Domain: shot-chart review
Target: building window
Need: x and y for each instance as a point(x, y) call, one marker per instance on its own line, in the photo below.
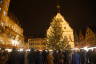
point(5, 13)
point(0, 9)
point(2, 24)
point(12, 27)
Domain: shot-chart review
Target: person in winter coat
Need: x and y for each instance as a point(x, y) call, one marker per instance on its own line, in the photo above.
point(44, 58)
point(31, 57)
point(61, 58)
point(83, 58)
point(76, 58)
point(50, 58)
point(13, 58)
point(38, 57)
point(89, 57)
point(3, 57)
point(56, 57)
point(94, 56)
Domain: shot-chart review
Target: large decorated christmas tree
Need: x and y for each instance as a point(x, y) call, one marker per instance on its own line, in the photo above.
point(59, 33)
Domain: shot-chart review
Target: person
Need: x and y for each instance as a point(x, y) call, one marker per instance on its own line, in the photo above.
point(21, 57)
point(3, 56)
point(70, 57)
point(13, 58)
point(50, 58)
point(26, 58)
point(94, 56)
point(67, 56)
point(38, 57)
point(61, 57)
point(83, 56)
point(31, 57)
point(89, 57)
point(76, 57)
point(56, 56)
point(44, 58)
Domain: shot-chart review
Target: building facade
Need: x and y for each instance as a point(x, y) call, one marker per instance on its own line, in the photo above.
point(90, 37)
point(11, 34)
point(86, 39)
point(37, 43)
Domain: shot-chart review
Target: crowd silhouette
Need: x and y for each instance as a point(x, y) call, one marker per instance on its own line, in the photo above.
point(48, 57)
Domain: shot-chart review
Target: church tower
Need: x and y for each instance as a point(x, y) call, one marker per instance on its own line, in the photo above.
point(4, 6)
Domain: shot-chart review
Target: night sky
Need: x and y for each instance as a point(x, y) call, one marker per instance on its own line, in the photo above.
point(35, 15)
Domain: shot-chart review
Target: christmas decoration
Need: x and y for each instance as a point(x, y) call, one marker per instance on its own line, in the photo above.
point(60, 34)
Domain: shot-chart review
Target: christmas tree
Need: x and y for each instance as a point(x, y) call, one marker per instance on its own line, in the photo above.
point(55, 34)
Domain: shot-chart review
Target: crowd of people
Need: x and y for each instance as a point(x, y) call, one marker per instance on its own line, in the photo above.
point(48, 57)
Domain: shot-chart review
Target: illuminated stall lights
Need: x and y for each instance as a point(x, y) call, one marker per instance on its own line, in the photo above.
point(50, 50)
point(28, 50)
point(91, 48)
point(75, 49)
point(9, 50)
point(21, 50)
point(40, 50)
point(88, 48)
point(85, 48)
point(15, 42)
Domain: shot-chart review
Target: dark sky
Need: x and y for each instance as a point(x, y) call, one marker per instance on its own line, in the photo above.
point(36, 15)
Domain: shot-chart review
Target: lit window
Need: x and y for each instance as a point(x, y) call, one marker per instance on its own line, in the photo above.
point(5, 13)
point(2, 24)
point(12, 27)
point(0, 9)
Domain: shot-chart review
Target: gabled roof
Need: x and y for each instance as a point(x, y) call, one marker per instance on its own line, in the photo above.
point(93, 28)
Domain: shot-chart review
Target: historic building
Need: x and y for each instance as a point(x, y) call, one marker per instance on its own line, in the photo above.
point(11, 34)
point(81, 39)
point(37, 43)
point(90, 37)
point(86, 39)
